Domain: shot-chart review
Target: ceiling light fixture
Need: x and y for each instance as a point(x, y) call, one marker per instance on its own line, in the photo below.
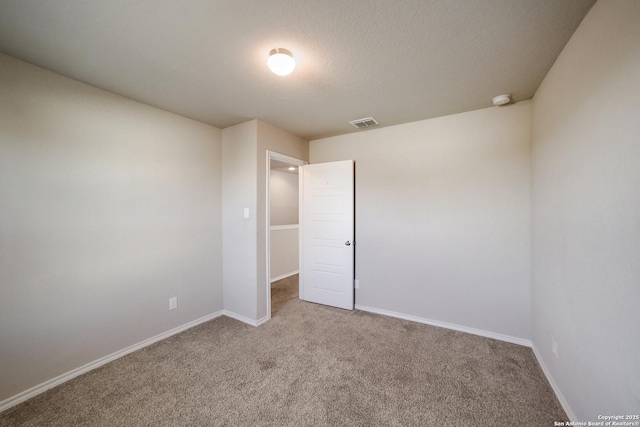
point(502, 99)
point(292, 168)
point(281, 61)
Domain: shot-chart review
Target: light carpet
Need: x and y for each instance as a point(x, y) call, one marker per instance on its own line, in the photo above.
point(311, 365)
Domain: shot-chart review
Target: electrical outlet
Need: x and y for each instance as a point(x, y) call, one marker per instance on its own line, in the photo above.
point(356, 284)
point(173, 303)
point(554, 346)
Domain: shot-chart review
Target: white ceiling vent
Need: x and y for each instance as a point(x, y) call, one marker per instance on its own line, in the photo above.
point(364, 123)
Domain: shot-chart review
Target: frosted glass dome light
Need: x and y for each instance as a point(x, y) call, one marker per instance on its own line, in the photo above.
point(281, 62)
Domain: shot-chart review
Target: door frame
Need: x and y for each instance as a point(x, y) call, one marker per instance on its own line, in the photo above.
point(272, 155)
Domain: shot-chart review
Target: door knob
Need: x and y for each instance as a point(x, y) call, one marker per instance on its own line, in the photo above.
point(347, 243)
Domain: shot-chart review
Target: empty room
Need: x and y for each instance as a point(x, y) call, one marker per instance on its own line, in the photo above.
point(322, 213)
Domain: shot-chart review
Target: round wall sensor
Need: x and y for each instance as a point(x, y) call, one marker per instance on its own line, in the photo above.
point(502, 99)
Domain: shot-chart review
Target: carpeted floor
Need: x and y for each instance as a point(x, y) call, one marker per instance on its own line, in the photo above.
point(310, 365)
point(283, 291)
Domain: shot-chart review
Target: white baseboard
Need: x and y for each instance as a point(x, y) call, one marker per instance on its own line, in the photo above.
point(284, 276)
point(284, 227)
point(261, 321)
point(245, 319)
point(446, 325)
point(41, 388)
point(554, 386)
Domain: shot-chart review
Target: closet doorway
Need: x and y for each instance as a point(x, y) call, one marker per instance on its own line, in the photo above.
point(283, 198)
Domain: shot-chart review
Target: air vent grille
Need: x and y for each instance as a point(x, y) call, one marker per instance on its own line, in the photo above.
point(364, 123)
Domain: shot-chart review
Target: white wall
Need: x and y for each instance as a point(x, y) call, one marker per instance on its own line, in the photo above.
point(443, 217)
point(586, 214)
point(283, 198)
point(108, 207)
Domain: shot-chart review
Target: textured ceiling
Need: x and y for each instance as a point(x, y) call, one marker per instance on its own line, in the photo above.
point(396, 60)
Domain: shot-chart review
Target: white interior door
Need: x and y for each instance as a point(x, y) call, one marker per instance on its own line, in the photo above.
point(327, 233)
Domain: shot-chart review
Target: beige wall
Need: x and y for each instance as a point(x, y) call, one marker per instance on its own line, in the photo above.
point(239, 233)
point(586, 214)
point(283, 198)
point(283, 211)
point(284, 252)
point(245, 185)
point(108, 207)
point(443, 217)
point(273, 139)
